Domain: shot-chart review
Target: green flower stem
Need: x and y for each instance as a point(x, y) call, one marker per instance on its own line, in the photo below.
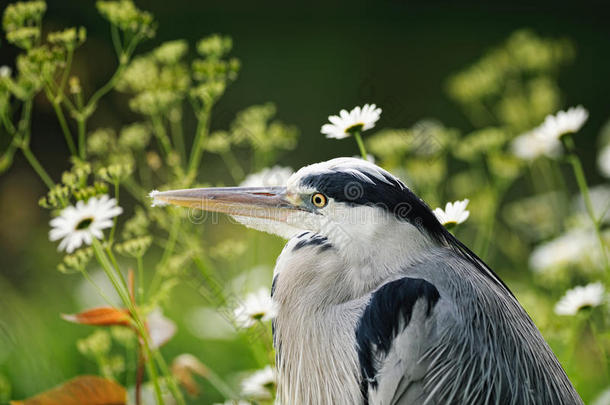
point(360, 144)
point(9, 125)
point(116, 266)
point(85, 111)
point(167, 252)
point(44, 176)
point(117, 282)
point(110, 84)
point(267, 340)
point(140, 288)
point(558, 176)
point(584, 190)
point(176, 132)
point(537, 185)
point(220, 385)
point(66, 72)
point(540, 170)
point(173, 387)
point(234, 167)
point(81, 124)
point(171, 244)
point(64, 127)
point(557, 181)
point(200, 135)
point(116, 41)
point(488, 236)
point(597, 336)
point(25, 122)
point(114, 221)
point(215, 296)
point(161, 134)
point(91, 281)
point(218, 297)
point(131, 47)
point(152, 372)
point(121, 288)
point(483, 240)
point(136, 191)
point(6, 158)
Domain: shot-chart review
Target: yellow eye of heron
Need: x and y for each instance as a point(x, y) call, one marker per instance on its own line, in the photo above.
point(319, 200)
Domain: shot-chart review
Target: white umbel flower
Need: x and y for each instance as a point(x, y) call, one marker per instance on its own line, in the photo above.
point(78, 225)
point(257, 306)
point(603, 161)
point(454, 213)
point(268, 177)
point(580, 297)
point(259, 384)
point(534, 144)
point(344, 124)
point(564, 122)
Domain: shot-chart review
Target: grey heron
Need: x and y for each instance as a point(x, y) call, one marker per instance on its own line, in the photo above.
point(379, 303)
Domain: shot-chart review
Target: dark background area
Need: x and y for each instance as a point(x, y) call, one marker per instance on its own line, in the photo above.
point(313, 59)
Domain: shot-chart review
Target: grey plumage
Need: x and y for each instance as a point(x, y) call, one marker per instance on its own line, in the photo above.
point(379, 304)
point(476, 345)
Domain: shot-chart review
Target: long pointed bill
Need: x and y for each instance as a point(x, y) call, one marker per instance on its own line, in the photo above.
point(256, 202)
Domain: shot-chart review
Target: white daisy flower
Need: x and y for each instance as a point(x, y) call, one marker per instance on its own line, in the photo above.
point(580, 297)
point(600, 201)
point(564, 122)
point(257, 306)
point(453, 214)
point(209, 324)
point(344, 124)
point(259, 384)
point(573, 247)
point(603, 398)
point(534, 144)
point(5, 71)
point(160, 328)
point(268, 177)
point(79, 224)
point(603, 161)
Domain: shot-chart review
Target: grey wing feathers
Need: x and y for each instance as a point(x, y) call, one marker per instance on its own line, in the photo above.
point(453, 336)
point(392, 338)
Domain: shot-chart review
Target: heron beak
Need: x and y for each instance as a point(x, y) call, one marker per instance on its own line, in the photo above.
point(256, 202)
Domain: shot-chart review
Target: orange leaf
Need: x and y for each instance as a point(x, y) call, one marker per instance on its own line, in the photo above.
point(83, 390)
point(103, 316)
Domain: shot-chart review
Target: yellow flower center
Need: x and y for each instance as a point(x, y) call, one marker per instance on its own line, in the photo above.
point(84, 223)
point(354, 128)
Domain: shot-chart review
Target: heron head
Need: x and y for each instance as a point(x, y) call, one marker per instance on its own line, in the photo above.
point(355, 204)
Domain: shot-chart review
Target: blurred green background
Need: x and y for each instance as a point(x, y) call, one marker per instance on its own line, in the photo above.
point(310, 60)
